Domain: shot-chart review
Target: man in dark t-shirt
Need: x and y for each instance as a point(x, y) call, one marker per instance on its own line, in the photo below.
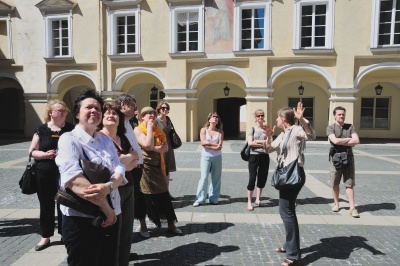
point(343, 137)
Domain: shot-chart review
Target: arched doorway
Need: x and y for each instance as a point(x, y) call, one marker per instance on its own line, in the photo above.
point(12, 104)
point(229, 111)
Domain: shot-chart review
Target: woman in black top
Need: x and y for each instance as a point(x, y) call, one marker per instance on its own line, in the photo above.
point(44, 150)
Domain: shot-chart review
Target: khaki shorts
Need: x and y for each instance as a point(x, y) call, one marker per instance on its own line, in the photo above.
point(349, 175)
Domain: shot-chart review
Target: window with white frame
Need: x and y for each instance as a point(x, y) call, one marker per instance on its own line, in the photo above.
point(386, 29)
point(5, 39)
point(155, 97)
point(58, 36)
point(252, 26)
point(187, 32)
point(124, 37)
point(314, 24)
point(375, 113)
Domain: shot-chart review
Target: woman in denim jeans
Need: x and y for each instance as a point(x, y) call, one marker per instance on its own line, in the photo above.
point(211, 136)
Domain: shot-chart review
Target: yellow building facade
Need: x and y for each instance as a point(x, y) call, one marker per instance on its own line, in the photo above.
point(266, 54)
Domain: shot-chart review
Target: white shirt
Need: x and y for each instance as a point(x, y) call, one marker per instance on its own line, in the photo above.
point(132, 139)
point(211, 153)
point(100, 149)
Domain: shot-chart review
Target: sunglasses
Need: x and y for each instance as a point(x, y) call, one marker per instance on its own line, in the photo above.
point(259, 115)
point(214, 116)
point(164, 108)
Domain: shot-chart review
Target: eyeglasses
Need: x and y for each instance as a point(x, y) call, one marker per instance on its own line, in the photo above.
point(61, 111)
point(259, 115)
point(164, 108)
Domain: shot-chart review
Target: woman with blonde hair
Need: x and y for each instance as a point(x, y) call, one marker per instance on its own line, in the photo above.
point(258, 160)
point(43, 149)
point(164, 122)
point(212, 137)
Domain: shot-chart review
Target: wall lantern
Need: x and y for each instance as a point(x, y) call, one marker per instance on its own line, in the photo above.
point(154, 90)
point(378, 89)
point(226, 90)
point(301, 88)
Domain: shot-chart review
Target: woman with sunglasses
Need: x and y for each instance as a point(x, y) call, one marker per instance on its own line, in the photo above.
point(154, 144)
point(258, 160)
point(44, 150)
point(212, 137)
point(164, 122)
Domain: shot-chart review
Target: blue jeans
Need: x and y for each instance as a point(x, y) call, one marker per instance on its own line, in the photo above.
point(207, 165)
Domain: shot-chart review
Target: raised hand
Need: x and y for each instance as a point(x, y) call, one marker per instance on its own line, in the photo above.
point(299, 111)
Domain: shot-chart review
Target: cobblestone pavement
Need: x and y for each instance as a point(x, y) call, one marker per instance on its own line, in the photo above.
point(228, 234)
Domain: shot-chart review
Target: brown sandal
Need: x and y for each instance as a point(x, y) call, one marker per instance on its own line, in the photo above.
point(280, 250)
point(288, 262)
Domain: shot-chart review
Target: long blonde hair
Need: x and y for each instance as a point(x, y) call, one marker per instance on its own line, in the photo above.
point(49, 108)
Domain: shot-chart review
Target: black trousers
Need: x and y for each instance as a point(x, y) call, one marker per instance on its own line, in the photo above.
point(140, 202)
point(48, 182)
point(258, 170)
point(287, 210)
point(88, 245)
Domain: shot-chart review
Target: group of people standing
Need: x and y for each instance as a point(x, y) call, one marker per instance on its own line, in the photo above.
point(140, 161)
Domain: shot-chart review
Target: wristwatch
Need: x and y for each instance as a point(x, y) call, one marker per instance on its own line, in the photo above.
point(111, 186)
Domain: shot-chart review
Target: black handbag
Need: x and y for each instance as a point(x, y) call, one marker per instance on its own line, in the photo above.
point(95, 173)
point(175, 140)
point(28, 183)
point(245, 152)
point(289, 176)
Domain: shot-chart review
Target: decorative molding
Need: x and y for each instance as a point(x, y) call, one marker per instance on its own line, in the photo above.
point(260, 89)
point(258, 99)
point(119, 3)
point(344, 90)
point(343, 99)
point(5, 9)
point(56, 5)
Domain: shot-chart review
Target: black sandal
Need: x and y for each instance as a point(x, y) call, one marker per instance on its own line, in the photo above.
point(288, 262)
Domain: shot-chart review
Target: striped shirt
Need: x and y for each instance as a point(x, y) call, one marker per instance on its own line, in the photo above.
point(294, 148)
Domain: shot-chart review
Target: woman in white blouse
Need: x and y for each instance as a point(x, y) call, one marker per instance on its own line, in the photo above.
point(85, 243)
point(287, 118)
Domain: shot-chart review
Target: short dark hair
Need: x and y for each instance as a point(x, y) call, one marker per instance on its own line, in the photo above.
point(87, 93)
point(121, 126)
point(341, 108)
point(124, 98)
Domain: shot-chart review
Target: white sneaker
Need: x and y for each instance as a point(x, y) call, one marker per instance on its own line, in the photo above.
point(354, 213)
point(335, 208)
point(196, 204)
point(176, 231)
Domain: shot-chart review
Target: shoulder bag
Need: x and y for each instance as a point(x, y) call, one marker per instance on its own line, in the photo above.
point(175, 140)
point(28, 183)
point(289, 176)
point(95, 173)
point(245, 152)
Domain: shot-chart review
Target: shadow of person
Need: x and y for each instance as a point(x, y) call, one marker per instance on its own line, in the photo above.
point(376, 207)
point(190, 254)
point(19, 227)
point(338, 248)
point(190, 228)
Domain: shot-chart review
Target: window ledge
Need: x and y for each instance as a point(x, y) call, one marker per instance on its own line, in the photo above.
point(251, 52)
point(187, 54)
point(313, 51)
point(386, 49)
point(122, 57)
point(55, 59)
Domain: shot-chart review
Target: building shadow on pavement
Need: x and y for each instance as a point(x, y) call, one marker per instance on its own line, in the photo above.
point(337, 248)
point(188, 200)
point(189, 254)
point(18, 227)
